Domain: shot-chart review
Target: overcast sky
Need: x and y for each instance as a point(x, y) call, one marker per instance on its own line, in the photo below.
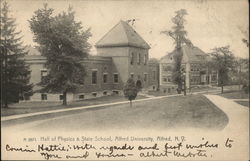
point(210, 23)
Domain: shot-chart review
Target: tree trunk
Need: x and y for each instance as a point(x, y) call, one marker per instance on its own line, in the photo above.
point(179, 88)
point(130, 103)
point(64, 98)
point(222, 89)
point(5, 76)
point(6, 105)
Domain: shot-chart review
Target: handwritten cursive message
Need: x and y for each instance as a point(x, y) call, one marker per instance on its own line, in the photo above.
point(80, 148)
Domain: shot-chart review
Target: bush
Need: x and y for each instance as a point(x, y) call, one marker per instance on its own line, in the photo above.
point(245, 88)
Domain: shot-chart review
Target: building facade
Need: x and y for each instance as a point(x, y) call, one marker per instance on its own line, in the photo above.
point(121, 53)
point(196, 71)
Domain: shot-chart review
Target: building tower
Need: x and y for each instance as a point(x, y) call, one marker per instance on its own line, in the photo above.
point(129, 52)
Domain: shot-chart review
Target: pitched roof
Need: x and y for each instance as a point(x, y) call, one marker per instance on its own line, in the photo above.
point(190, 54)
point(193, 53)
point(32, 50)
point(122, 34)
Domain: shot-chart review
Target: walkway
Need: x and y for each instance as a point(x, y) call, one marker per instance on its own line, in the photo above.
point(145, 95)
point(238, 115)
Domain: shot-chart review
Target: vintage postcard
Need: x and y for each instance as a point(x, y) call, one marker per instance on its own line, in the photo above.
point(125, 80)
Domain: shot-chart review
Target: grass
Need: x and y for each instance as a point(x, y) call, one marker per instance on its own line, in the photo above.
point(158, 93)
point(243, 103)
point(31, 107)
point(194, 111)
point(235, 94)
point(194, 89)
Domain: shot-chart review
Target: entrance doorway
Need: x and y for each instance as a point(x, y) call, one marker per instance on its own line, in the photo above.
point(138, 85)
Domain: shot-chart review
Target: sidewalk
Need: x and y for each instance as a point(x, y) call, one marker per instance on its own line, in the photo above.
point(238, 115)
point(145, 95)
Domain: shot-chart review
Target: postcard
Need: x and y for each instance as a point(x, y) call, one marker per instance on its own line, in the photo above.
point(125, 80)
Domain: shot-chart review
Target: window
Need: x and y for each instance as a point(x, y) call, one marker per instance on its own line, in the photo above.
point(145, 59)
point(81, 82)
point(94, 94)
point(44, 96)
point(105, 78)
point(167, 68)
point(81, 96)
point(139, 59)
point(105, 93)
point(132, 75)
point(154, 75)
point(169, 79)
point(153, 87)
point(61, 97)
point(26, 98)
point(115, 92)
point(195, 79)
point(132, 58)
point(94, 77)
point(43, 74)
point(214, 77)
point(164, 79)
point(115, 78)
point(145, 77)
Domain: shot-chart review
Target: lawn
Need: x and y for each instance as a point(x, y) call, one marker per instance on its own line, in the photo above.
point(243, 103)
point(194, 111)
point(31, 107)
point(193, 89)
point(235, 94)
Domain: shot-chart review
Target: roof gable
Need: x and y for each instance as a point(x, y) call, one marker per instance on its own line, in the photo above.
point(194, 54)
point(190, 54)
point(122, 34)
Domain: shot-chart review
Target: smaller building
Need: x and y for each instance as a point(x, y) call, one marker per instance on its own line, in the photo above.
point(195, 66)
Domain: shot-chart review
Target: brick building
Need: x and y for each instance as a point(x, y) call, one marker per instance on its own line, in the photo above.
point(194, 63)
point(121, 53)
